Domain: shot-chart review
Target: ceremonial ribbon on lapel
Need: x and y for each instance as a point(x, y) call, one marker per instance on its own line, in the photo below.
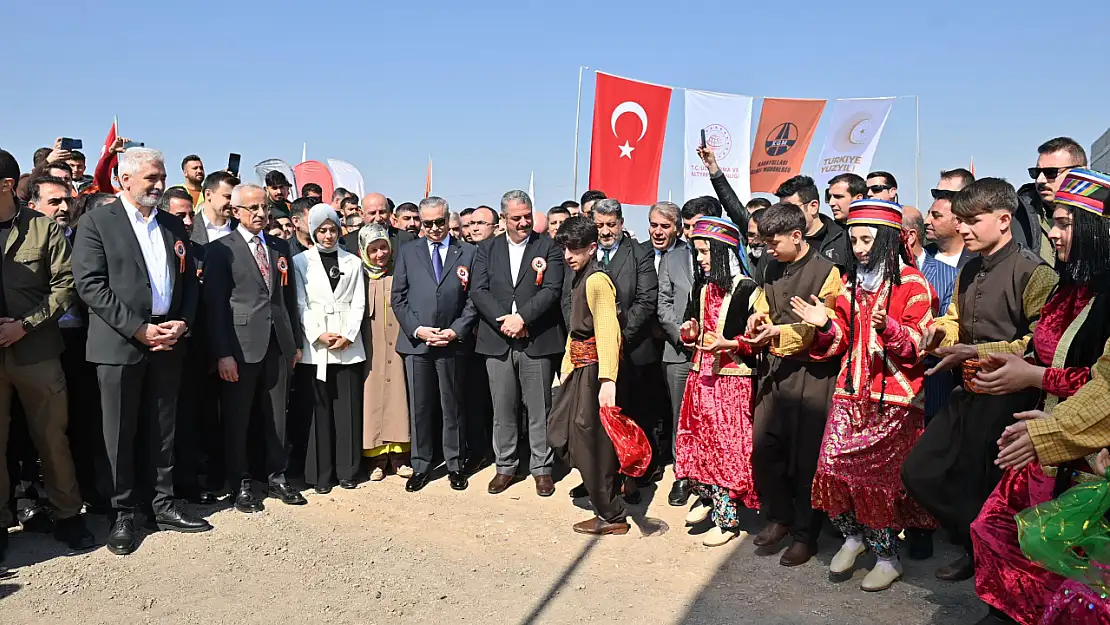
point(179, 249)
point(464, 275)
point(539, 265)
point(283, 267)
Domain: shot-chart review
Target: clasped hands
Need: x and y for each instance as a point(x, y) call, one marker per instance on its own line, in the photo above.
point(711, 342)
point(159, 337)
point(513, 326)
point(435, 337)
point(333, 341)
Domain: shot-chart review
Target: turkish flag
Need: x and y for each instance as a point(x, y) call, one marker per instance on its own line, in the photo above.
point(630, 121)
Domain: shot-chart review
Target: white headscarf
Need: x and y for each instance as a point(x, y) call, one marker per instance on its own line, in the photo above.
point(317, 215)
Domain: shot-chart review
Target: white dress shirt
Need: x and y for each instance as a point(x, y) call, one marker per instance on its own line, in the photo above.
point(516, 258)
point(659, 254)
point(612, 250)
point(442, 263)
point(153, 246)
point(215, 232)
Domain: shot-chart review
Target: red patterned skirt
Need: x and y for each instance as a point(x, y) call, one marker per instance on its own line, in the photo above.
point(714, 440)
point(859, 469)
point(1004, 577)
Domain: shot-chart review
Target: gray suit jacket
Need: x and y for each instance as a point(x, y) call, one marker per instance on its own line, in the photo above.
point(676, 281)
point(418, 300)
point(200, 233)
point(112, 279)
point(242, 312)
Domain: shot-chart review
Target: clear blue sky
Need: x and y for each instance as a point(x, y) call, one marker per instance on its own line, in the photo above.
point(488, 89)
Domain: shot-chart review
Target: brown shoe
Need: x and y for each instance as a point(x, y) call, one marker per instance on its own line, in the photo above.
point(958, 571)
point(545, 486)
point(770, 535)
point(598, 527)
point(499, 484)
point(797, 554)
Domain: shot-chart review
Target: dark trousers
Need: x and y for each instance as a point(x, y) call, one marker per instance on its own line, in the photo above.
point(951, 470)
point(302, 405)
point(516, 377)
point(335, 438)
point(642, 395)
point(791, 407)
point(85, 429)
point(199, 441)
point(479, 408)
point(676, 374)
point(139, 402)
point(263, 386)
point(436, 384)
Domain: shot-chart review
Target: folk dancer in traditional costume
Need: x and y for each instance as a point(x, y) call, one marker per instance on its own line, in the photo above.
point(1070, 338)
point(588, 380)
point(998, 300)
point(714, 439)
point(794, 388)
point(877, 411)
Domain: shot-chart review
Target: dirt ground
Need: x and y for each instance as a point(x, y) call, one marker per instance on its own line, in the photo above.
point(380, 555)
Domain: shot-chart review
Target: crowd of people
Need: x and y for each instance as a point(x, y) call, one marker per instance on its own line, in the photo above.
point(890, 370)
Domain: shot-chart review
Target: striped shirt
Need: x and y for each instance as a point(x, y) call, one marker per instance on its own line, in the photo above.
point(942, 277)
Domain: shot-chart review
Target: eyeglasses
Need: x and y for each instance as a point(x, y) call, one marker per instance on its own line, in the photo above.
point(879, 188)
point(942, 194)
point(479, 222)
point(1050, 173)
point(434, 223)
point(254, 208)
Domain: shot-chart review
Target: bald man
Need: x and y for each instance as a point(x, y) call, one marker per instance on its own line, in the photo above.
point(375, 210)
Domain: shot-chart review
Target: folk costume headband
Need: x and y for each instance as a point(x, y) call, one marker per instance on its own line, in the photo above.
point(875, 213)
point(1086, 189)
point(717, 229)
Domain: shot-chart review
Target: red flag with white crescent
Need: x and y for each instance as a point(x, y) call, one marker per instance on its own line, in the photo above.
point(630, 122)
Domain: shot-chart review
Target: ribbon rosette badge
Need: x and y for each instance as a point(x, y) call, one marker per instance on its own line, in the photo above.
point(283, 267)
point(539, 265)
point(464, 275)
point(179, 249)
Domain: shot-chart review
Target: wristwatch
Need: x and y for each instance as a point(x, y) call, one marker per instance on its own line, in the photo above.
point(27, 326)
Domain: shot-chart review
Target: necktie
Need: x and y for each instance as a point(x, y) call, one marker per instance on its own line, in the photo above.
point(605, 258)
point(437, 262)
point(261, 260)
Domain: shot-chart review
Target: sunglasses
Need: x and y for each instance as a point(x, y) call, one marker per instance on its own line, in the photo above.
point(942, 194)
point(434, 223)
point(879, 188)
point(1050, 173)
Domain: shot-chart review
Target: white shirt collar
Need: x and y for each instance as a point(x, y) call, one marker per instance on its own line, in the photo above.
point(522, 244)
point(443, 244)
point(247, 236)
point(211, 226)
point(134, 213)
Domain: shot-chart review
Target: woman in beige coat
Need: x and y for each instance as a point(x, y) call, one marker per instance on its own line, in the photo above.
point(385, 429)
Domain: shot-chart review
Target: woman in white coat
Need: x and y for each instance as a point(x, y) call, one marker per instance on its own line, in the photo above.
point(331, 294)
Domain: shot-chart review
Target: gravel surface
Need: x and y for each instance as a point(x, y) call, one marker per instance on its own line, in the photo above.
point(380, 555)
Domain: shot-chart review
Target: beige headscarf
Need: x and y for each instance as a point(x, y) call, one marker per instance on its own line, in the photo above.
point(367, 235)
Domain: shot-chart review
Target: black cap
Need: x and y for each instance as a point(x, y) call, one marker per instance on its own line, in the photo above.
point(9, 167)
point(276, 179)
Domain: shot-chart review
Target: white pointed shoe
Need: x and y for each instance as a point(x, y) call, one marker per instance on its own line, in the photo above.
point(697, 514)
point(845, 559)
point(882, 576)
point(717, 537)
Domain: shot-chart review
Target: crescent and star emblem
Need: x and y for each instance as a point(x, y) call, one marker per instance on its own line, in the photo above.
point(638, 111)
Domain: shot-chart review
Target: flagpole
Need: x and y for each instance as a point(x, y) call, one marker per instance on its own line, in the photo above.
point(917, 157)
point(577, 120)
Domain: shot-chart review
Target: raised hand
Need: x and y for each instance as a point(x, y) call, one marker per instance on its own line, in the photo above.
point(812, 312)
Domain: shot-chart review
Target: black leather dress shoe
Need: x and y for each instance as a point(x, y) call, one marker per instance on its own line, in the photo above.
point(458, 480)
point(74, 533)
point(579, 492)
point(205, 498)
point(121, 538)
point(474, 464)
point(417, 482)
point(3, 542)
point(680, 493)
point(958, 571)
point(347, 484)
point(322, 490)
point(246, 501)
point(287, 494)
point(36, 519)
point(175, 521)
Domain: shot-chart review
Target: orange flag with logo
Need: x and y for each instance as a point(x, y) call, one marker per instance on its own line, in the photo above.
point(786, 127)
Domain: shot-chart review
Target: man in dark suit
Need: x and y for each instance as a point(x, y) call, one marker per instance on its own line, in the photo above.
point(376, 210)
point(518, 279)
point(134, 270)
point(631, 266)
point(216, 218)
point(437, 318)
point(253, 327)
point(198, 451)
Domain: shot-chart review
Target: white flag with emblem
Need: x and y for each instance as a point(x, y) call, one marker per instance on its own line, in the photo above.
point(852, 139)
point(727, 121)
